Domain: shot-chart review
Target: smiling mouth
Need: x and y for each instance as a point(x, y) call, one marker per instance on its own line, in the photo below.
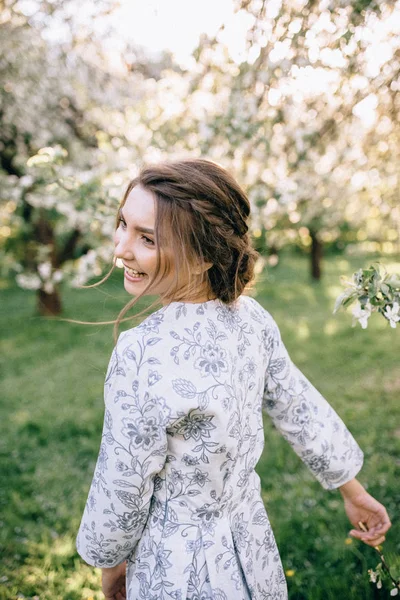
point(133, 272)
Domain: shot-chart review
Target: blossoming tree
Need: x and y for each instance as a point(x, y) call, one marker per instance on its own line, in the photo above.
point(65, 147)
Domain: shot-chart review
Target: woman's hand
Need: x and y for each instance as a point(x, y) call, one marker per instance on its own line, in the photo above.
point(362, 507)
point(113, 582)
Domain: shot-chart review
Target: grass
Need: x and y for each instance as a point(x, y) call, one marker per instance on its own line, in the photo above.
point(51, 418)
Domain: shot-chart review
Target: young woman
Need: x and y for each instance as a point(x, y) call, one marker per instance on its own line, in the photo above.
point(175, 510)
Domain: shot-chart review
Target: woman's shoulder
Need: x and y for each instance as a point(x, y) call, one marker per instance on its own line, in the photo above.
point(257, 311)
point(162, 323)
point(149, 327)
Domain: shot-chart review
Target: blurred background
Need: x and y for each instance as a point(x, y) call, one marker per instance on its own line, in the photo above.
point(300, 101)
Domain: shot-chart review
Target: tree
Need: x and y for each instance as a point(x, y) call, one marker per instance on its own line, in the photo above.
point(287, 115)
point(68, 138)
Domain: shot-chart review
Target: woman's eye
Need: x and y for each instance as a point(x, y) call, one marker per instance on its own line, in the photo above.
point(147, 240)
point(121, 222)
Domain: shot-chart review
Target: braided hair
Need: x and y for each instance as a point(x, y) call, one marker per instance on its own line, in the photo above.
point(202, 212)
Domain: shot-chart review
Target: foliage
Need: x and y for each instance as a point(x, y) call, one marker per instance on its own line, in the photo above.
point(385, 575)
point(66, 152)
point(304, 115)
point(373, 292)
point(58, 218)
point(303, 112)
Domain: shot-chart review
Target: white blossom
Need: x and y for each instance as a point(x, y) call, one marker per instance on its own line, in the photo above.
point(28, 281)
point(48, 287)
point(394, 591)
point(44, 270)
point(372, 575)
point(362, 314)
point(58, 276)
point(392, 314)
point(26, 181)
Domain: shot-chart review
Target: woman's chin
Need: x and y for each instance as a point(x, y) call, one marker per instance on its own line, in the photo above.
point(132, 287)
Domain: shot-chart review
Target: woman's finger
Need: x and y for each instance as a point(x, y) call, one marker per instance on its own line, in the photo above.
point(359, 535)
point(381, 523)
point(376, 542)
point(380, 529)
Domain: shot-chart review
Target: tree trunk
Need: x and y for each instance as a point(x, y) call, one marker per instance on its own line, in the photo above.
point(316, 255)
point(49, 304)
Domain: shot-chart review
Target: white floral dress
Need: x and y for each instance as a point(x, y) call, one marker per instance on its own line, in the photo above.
point(174, 491)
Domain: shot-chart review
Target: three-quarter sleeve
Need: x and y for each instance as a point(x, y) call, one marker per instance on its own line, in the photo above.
point(305, 419)
point(133, 450)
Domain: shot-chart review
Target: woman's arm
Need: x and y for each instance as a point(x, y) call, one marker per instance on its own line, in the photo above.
point(132, 452)
point(305, 419)
point(362, 507)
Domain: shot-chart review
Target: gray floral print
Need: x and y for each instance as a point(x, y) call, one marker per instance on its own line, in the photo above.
point(174, 491)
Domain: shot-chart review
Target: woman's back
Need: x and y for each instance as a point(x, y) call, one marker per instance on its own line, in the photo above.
point(175, 484)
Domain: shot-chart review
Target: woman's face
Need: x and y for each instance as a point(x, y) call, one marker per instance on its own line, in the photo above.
point(135, 246)
point(135, 243)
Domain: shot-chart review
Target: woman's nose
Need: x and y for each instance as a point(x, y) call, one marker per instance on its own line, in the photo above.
point(123, 249)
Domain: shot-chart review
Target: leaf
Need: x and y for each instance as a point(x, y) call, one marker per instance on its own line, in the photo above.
point(184, 388)
point(169, 529)
point(342, 297)
point(260, 518)
point(203, 400)
point(233, 419)
point(129, 473)
point(122, 483)
point(109, 438)
point(127, 498)
point(198, 448)
point(153, 360)
point(131, 355)
point(385, 289)
point(181, 310)
point(153, 341)
point(277, 365)
point(108, 422)
point(394, 281)
point(172, 515)
point(349, 300)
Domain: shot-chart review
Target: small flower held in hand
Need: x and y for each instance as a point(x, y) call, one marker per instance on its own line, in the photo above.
point(382, 570)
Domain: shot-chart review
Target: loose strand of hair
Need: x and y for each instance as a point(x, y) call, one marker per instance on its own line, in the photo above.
point(93, 285)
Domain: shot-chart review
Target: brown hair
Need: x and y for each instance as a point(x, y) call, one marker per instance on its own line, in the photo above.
point(201, 219)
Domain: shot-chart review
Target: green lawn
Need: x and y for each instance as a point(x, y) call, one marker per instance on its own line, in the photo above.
point(51, 418)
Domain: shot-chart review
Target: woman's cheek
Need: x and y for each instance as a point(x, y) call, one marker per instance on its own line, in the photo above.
point(116, 237)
